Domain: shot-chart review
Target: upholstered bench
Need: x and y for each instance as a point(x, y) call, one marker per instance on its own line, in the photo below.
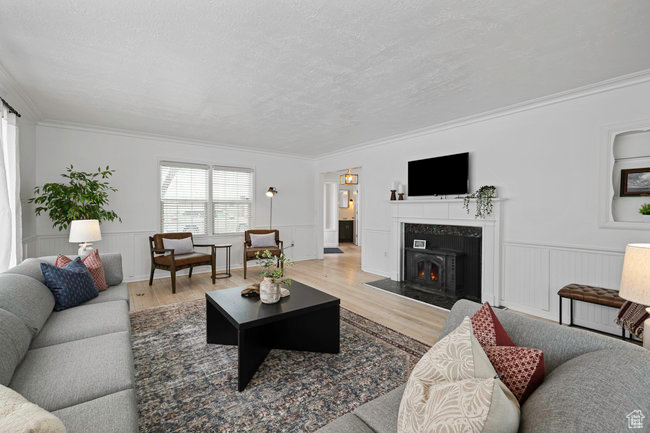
point(592, 295)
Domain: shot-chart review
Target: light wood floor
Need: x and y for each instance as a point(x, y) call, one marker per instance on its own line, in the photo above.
point(337, 274)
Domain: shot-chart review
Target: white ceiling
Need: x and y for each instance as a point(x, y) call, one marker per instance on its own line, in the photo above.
point(309, 77)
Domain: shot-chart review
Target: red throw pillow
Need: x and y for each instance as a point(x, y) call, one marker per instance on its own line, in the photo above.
point(487, 328)
point(521, 369)
point(94, 265)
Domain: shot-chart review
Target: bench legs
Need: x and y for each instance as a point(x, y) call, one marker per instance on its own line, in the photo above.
point(571, 316)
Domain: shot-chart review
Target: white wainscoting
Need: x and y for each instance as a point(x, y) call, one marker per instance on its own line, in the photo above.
point(374, 251)
point(534, 273)
point(134, 246)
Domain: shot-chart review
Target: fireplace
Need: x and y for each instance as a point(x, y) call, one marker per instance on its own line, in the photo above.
point(434, 270)
point(449, 266)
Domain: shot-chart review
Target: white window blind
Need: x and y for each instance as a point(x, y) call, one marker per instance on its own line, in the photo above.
point(184, 198)
point(232, 199)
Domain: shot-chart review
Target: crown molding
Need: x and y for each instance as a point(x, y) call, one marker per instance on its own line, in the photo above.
point(16, 96)
point(49, 123)
point(555, 98)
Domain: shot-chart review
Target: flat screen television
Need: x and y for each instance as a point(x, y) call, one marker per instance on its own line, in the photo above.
point(444, 175)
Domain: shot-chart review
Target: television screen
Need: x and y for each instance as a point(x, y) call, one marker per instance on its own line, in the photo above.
point(444, 175)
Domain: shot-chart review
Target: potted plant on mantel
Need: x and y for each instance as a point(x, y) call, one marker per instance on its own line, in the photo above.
point(84, 196)
point(483, 198)
point(272, 274)
point(645, 212)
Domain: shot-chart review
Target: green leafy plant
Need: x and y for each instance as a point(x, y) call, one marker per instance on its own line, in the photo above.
point(483, 198)
point(271, 267)
point(84, 196)
point(645, 209)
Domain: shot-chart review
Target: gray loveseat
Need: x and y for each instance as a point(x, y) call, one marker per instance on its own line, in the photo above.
point(76, 363)
point(593, 382)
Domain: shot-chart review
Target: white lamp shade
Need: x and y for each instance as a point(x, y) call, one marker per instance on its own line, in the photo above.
point(635, 280)
point(85, 231)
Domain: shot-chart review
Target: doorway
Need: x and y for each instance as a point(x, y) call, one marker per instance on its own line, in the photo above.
point(342, 218)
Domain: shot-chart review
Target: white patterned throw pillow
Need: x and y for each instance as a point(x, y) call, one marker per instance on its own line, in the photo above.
point(455, 389)
point(17, 415)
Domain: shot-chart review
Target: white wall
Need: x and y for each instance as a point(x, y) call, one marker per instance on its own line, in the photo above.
point(546, 163)
point(136, 158)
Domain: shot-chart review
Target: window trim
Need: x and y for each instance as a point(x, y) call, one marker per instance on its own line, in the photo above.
point(210, 211)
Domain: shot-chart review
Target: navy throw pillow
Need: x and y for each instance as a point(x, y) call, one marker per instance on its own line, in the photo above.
point(71, 286)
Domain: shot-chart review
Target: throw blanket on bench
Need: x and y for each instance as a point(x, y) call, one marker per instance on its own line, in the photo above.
point(632, 316)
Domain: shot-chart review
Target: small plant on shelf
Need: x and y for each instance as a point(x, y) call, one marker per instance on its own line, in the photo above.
point(644, 210)
point(483, 198)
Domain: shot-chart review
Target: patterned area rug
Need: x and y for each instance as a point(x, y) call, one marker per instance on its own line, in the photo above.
point(186, 385)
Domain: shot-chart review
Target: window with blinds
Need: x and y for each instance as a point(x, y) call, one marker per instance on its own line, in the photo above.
point(202, 199)
point(184, 198)
point(232, 199)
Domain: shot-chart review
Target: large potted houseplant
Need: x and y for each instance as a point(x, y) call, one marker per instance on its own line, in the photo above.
point(644, 210)
point(83, 196)
point(272, 276)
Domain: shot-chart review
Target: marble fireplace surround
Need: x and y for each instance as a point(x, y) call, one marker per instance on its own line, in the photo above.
point(450, 212)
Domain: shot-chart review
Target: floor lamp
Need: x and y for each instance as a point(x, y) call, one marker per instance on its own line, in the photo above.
point(270, 193)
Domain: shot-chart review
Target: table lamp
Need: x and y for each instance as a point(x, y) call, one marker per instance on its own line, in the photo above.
point(635, 281)
point(85, 232)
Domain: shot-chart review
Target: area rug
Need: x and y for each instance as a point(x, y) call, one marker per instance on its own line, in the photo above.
point(186, 385)
point(333, 251)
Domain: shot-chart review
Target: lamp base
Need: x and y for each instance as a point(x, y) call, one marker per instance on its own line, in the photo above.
point(85, 248)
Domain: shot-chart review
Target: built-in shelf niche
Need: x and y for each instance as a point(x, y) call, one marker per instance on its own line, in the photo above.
point(626, 147)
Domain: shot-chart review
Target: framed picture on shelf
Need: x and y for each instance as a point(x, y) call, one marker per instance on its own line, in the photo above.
point(635, 182)
point(419, 244)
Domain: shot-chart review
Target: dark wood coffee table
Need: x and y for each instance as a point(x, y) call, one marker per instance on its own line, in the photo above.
point(307, 320)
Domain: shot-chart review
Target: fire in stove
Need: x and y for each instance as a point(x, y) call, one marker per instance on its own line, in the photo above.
point(434, 274)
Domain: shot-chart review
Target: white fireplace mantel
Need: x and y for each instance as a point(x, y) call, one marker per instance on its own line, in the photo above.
point(450, 212)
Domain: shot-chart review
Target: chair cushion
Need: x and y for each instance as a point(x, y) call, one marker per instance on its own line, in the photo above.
point(71, 285)
point(17, 415)
point(30, 300)
point(593, 392)
point(487, 328)
point(14, 342)
point(180, 246)
point(263, 240)
point(381, 413)
point(112, 263)
point(185, 259)
point(521, 369)
point(348, 423)
point(83, 321)
point(113, 293)
point(251, 253)
point(30, 267)
point(111, 413)
point(94, 264)
point(55, 377)
point(454, 385)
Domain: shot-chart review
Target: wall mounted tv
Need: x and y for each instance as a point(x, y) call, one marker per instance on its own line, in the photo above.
point(444, 175)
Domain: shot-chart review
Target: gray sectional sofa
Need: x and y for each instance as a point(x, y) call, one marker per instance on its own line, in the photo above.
point(592, 381)
point(76, 363)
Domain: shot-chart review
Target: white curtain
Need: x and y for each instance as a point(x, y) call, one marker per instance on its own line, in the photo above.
point(10, 211)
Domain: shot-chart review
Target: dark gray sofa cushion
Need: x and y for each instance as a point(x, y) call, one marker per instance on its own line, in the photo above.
point(29, 267)
point(14, 342)
point(559, 343)
point(111, 262)
point(381, 413)
point(30, 300)
point(591, 393)
point(348, 423)
point(55, 377)
point(108, 414)
point(83, 321)
point(113, 293)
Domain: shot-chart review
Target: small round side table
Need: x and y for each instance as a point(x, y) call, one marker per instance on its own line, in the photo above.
point(226, 274)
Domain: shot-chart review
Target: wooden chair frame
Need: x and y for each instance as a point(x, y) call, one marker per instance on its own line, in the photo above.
point(247, 246)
